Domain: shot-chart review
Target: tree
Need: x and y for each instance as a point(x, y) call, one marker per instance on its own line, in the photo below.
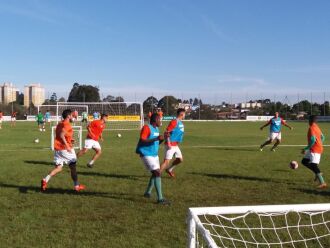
point(109, 98)
point(168, 104)
point(150, 104)
point(62, 99)
point(53, 98)
point(84, 93)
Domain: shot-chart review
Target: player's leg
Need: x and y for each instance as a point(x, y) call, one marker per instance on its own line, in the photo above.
point(267, 142)
point(71, 160)
point(169, 153)
point(178, 160)
point(58, 168)
point(311, 161)
point(82, 152)
point(278, 141)
point(97, 148)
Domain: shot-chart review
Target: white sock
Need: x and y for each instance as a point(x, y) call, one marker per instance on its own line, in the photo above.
point(91, 162)
point(171, 168)
point(47, 178)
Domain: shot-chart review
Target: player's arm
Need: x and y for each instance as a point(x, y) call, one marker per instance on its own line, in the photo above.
point(284, 123)
point(145, 132)
point(170, 128)
point(310, 144)
point(322, 138)
point(267, 124)
point(62, 135)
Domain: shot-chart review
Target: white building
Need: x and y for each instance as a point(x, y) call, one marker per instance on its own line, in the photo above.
point(34, 94)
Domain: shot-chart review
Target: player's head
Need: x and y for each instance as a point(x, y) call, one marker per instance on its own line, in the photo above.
point(181, 113)
point(312, 119)
point(277, 114)
point(47, 110)
point(155, 120)
point(39, 111)
point(67, 114)
point(104, 117)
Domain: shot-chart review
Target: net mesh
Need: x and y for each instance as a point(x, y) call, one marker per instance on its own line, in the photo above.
point(287, 229)
point(122, 115)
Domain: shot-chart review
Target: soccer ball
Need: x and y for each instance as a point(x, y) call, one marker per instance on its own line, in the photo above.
point(119, 135)
point(294, 165)
point(36, 141)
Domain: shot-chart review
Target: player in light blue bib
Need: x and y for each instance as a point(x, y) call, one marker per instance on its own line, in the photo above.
point(275, 131)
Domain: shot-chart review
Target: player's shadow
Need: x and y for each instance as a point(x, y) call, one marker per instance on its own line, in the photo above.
point(27, 189)
point(99, 174)
point(314, 192)
point(233, 177)
point(38, 162)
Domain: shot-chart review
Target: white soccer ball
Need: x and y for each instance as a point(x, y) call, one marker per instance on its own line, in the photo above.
point(119, 135)
point(36, 141)
point(294, 165)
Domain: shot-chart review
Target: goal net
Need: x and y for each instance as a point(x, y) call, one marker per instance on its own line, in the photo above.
point(52, 110)
point(275, 226)
point(79, 108)
point(77, 137)
point(122, 115)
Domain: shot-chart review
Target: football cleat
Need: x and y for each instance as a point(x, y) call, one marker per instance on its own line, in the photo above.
point(43, 185)
point(147, 195)
point(163, 202)
point(322, 186)
point(170, 173)
point(90, 165)
point(79, 187)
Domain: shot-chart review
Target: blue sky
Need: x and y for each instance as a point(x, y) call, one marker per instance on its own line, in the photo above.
point(211, 48)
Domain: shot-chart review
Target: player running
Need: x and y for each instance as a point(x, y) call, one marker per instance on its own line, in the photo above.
point(95, 129)
point(64, 152)
point(174, 136)
point(96, 115)
point(84, 116)
point(48, 117)
point(41, 121)
point(75, 115)
point(1, 119)
point(13, 119)
point(275, 131)
point(313, 151)
point(147, 148)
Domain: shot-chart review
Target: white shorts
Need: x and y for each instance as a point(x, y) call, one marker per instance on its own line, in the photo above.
point(13, 118)
point(48, 120)
point(64, 157)
point(0, 120)
point(313, 157)
point(151, 163)
point(92, 144)
point(274, 136)
point(172, 151)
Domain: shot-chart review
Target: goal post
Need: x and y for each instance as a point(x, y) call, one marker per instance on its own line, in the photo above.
point(121, 115)
point(77, 137)
point(303, 225)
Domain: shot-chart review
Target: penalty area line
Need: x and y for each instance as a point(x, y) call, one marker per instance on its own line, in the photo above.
point(243, 146)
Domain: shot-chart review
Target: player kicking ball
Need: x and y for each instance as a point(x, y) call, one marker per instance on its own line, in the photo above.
point(174, 136)
point(147, 148)
point(64, 152)
point(95, 129)
point(313, 150)
point(275, 131)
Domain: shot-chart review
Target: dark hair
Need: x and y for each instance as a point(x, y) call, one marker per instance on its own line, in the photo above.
point(312, 118)
point(103, 115)
point(66, 113)
point(180, 110)
point(153, 118)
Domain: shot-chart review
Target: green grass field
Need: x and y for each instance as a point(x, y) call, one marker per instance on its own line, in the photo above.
point(222, 167)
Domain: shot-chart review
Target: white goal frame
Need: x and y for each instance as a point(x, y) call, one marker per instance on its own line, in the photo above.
point(140, 112)
point(76, 130)
point(70, 106)
point(195, 226)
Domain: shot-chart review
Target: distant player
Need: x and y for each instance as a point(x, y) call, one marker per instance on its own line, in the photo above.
point(160, 113)
point(40, 121)
point(1, 119)
point(147, 148)
point(48, 117)
point(173, 136)
point(13, 119)
point(314, 150)
point(95, 129)
point(275, 131)
point(96, 115)
point(74, 115)
point(84, 116)
point(64, 152)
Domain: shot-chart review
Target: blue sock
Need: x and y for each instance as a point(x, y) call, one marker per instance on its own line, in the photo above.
point(158, 186)
point(150, 185)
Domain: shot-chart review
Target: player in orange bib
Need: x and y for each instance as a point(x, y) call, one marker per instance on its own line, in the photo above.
point(95, 129)
point(1, 118)
point(314, 150)
point(64, 152)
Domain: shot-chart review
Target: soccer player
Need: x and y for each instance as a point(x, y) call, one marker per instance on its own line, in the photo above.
point(84, 117)
point(95, 129)
point(64, 152)
point(96, 115)
point(48, 117)
point(13, 118)
point(147, 148)
point(75, 115)
point(174, 136)
point(275, 131)
point(1, 119)
point(313, 150)
point(41, 121)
